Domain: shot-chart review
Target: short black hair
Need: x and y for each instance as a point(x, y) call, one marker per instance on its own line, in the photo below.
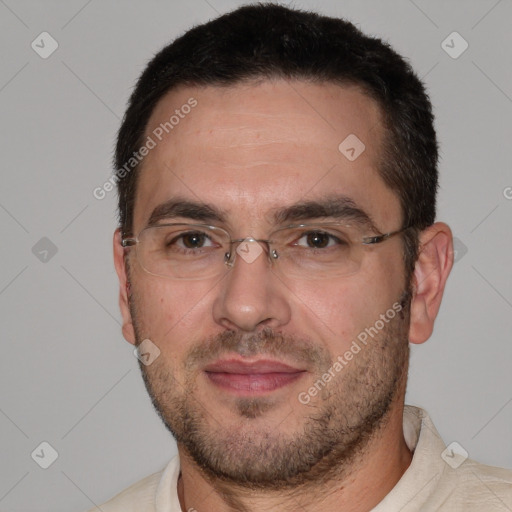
point(268, 41)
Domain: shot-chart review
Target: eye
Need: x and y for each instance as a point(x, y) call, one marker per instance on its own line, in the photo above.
point(318, 240)
point(192, 240)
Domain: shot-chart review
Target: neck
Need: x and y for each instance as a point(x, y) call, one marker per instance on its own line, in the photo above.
point(372, 475)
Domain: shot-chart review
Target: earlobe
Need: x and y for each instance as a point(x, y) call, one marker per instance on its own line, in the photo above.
point(124, 288)
point(431, 272)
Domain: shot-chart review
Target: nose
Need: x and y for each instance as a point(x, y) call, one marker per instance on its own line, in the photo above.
point(251, 296)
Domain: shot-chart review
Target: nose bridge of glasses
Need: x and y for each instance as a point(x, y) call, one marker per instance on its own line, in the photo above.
point(249, 249)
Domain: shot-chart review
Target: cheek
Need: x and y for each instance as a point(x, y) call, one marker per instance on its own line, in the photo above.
point(330, 312)
point(172, 312)
point(338, 312)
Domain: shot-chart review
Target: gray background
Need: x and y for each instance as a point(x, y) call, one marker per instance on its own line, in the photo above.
point(67, 377)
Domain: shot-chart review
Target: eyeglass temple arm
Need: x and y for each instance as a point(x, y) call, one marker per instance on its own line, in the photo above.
point(127, 242)
point(377, 239)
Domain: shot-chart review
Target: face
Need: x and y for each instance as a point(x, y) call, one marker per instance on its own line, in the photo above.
point(265, 378)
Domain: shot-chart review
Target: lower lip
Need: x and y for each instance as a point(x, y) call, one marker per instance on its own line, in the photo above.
point(254, 382)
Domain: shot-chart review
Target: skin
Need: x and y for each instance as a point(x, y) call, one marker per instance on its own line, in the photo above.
point(247, 150)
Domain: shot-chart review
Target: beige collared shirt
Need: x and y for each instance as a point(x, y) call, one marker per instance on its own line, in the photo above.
point(438, 479)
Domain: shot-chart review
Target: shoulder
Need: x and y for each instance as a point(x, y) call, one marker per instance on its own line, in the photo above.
point(482, 487)
point(441, 479)
point(472, 487)
point(139, 497)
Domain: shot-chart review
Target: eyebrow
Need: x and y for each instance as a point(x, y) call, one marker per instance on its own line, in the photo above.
point(339, 208)
point(175, 208)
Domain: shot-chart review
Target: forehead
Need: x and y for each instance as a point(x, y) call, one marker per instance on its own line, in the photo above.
point(250, 148)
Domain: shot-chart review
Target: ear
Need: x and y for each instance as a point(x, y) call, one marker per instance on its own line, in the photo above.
point(432, 269)
point(124, 288)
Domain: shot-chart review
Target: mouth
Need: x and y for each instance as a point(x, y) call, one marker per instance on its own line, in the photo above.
point(251, 378)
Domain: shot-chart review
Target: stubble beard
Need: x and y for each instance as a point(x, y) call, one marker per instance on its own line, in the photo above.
point(335, 427)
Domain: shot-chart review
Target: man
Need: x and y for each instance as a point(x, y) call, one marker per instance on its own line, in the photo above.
point(277, 253)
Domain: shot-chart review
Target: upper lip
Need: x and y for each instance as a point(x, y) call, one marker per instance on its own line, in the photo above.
point(244, 367)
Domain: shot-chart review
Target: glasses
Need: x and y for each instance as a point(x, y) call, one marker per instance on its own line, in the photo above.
point(303, 251)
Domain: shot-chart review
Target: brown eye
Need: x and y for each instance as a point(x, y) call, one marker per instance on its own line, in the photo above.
point(190, 241)
point(318, 240)
point(193, 240)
